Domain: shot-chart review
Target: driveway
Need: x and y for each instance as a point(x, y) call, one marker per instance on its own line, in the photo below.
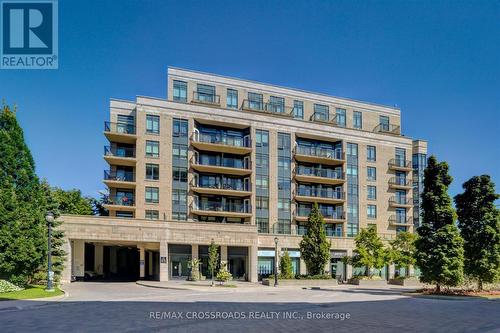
point(127, 307)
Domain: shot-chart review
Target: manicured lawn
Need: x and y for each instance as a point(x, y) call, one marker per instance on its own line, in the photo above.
point(29, 292)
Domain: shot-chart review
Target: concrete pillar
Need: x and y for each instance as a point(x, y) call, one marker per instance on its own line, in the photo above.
point(252, 271)
point(223, 255)
point(78, 258)
point(164, 262)
point(349, 266)
point(392, 270)
point(302, 268)
point(99, 259)
point(67, 270)
point(194, 251)
point(150, 263)
point(142, 263)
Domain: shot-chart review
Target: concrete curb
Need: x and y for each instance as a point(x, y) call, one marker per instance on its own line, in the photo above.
point(453, 298)
point(38, 302)
point(142, 284)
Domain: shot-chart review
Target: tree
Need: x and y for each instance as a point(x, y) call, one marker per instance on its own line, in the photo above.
point(402, 251)
point(479, 223)
point(72, 202)
point(98, 204)
point(314, 247)
point(223, 275)
point(213, 259)
point(370, 251)
point(194, 264)
point(440, 252)
point(286, 266)
point(23, 237)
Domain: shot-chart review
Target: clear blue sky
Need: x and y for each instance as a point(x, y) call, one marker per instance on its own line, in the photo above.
point(437, 60)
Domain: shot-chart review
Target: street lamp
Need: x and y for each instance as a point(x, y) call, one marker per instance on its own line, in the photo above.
point(50, 275)
point(275, 261)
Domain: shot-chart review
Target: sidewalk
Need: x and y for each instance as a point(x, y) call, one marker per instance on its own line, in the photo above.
point(28, 303)
point(201, 285)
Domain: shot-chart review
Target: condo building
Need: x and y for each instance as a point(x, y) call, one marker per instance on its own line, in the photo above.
point(241, 163)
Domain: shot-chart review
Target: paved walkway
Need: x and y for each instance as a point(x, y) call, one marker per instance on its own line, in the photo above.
point(128, 307)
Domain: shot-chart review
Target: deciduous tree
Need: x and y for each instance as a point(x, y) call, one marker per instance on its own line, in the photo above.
point(314, 247)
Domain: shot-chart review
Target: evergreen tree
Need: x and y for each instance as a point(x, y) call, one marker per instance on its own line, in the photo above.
point(286, 266)
point(370, 251)
point(314, 247)
point(440, 252)
point(402, 251)
point(479, 223)
point(23, 237)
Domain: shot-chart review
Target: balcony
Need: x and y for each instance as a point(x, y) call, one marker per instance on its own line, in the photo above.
point(119, 178)
point(120, 155)
point(326, 196)
point(118, 132)
point(400, 164)
point(324, 118)
point(295, 230)
point(319, 176)
point(231, 167)
point(388, 129)
point(400, 202)
point(223, 187)
point(120, 202)
point(217, 208)
point(222, 143)
point(269, 108)
point(400, 183)
point(319, 155)
point(398, 220)
point(329, 215)
point(204, 98)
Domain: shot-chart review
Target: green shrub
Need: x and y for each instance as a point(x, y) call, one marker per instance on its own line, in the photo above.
point(286, 267)
point(6, 286)
point(223, 274)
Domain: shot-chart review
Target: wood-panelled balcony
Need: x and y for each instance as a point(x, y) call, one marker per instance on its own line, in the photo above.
point(119, 179)
point(403, 202)
point(223, 187)
point(327, 196)
point(388, 129)
point(319, 176)
point(318, 155)
point(123, 203)
point(398, 220)
point(222, 143)
point(120, 132)
point(229, 168)
point(205, 98)
point(269, 108)
point(220, 209)
point(329, 216)
point(400, 164)
point(116, 155)
point(400, 183)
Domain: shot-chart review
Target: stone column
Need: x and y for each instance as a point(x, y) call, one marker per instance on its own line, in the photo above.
point(252, 271)
point(392, 270)
point(164, 262)
point(302, 268)
point(223, 255)
point(142, 262)
point(78, 258)
point(349, 266)
point(411, 271)
point(194, 251)
point(68, 262)
point(98, 259)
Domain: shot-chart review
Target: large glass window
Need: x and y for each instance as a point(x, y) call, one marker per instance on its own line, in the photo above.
point(276, 104)
point(152, 124)
point(180, 91)
point(180, 128)
point(371, 153)
point(371, 192)
point(152, 171)
point(152, 215)
point(152, 194)
point(357, 120)
point(298, 109)
point(371, 173)
point(232, 99)
point(205, 93)
point(180, 151)
point(321, 112)
point(152, 149)
point(384, 123)
point(179, 174)
point(340, 113)
point(371, 211)
point(255, 101)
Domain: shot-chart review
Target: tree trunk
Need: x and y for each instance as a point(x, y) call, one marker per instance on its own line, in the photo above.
point(438, 288)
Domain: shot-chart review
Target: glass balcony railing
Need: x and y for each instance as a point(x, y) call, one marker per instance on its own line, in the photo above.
point(120, 128)
point(399, 181)
point(273, 108)
point(119, 175)
point(295, 230)
point(316, 172)
point(226, 163)
point(206, 98)
point(223, 185)
point(228, 140)
point(336, 154)
point(400, 163)
point(400, 201)
point(320, 193)
point(400, 219)
point(121, 200)
point(326, 212)
point(217, 206)
point(119, 151)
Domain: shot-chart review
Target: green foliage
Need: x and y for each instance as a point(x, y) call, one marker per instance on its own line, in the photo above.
point(440, 253)
point(479, 223)
point(286, 269)
point(402, 251)
point(213, 258)
point(23, 238)
point(314, 247)
point(71, 202)
point(6, 287)
point(223, 274)
point(370, 251)
point(98, 204)
point(194, 265)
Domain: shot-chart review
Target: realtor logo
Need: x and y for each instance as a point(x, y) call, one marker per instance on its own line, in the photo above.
point(29, 34)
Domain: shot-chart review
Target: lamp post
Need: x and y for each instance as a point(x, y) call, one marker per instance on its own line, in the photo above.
point(50, 275)
point(275, 261)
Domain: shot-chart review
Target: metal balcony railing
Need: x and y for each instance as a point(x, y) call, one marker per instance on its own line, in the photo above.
point(228, 140)
point(316, 172)
point(324, 118)
point(320, 193)
point(220, 207)
point(387, 128)
point(226, 163)
point(400, 181)
point(335, 154)
point(119, 175)
point(119, 151)
point(399, 163)
point(400, 201)
point(398, 219)
point(272, 108)
point(206, 98)
point(121, 200)
point(120, 128)
point(327, 213)
point(223, 184)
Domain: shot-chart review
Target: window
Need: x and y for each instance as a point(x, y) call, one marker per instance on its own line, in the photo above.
point(152, 124)
point(340, 117)
point(261, 182)
point(179, 151)
point(152, 194)
point(321, 112)
point(261, 202)
point(371, 153)
point(357, 120)
point(152, 171)
point(255, 101)
point(179, 197)
point(152, 215)
point(384, 123)
point(180, 128)
point(124, 214)
point(371, 211)
point(205, 93)
point(152, 149)
point(371, 192)
point(180, 91)
point(371, 173)
point(232, 99)
point(179, 174)
point(262, 224)
point(298, 109)
point(284, 204)
point(178, 216)
point(277, 104)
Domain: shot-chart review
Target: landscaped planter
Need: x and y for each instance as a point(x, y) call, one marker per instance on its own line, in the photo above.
point(368, 283)
point(410, 282)
point(302, 282)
